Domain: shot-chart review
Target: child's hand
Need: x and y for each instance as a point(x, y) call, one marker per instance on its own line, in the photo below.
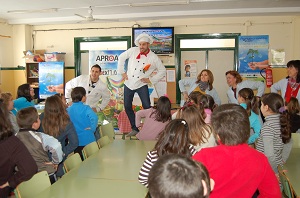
point(51, 164)
point(88, 128)
point(4, 185)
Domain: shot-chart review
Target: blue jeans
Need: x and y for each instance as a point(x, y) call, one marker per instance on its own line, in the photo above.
point(128, 98)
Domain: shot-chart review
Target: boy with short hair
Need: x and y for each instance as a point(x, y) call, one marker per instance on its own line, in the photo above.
point(37, 143)
point(85, 120)
point(237, 169)
point(175, 175)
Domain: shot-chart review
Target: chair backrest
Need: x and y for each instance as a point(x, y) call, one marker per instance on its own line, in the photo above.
point(286, 185)
point(103, 141)
point(108, 130)
point(72, 162)
point(38, 183)
point(90, 149)
point(296, 140)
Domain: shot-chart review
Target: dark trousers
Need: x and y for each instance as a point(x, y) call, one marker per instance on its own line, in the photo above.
point(128, 98)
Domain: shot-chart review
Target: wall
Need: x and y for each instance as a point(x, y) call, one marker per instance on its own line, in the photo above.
point(284, 32)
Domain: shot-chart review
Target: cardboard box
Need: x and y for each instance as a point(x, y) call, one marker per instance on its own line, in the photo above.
point(55, 56)
point(35, 56)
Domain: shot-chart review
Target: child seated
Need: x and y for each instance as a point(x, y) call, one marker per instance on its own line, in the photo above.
point(39, 144)
point(173, 139)
point(237, 169)
point(174, 175)
point(85, 120)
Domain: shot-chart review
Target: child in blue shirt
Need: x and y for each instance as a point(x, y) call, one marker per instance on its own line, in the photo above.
point(85, 120)
point(250, 102)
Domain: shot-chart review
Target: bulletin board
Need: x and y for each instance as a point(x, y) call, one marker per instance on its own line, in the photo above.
point(171, 86)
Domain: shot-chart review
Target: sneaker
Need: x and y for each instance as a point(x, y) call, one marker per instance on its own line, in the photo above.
point(132, 133)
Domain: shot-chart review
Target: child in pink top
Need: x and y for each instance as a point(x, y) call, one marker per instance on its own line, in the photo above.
point(156, 119)
point(206, 105)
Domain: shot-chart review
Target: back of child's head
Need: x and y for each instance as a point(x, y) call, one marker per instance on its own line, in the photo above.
point(55, 116)
point(231, 123)
point(194, 95)
point(6, 129)
point(273, 100)
point(195, 121)
point(27, 117)
point(163, 109)
point(293, 106)
point(250, 99)
point(176, 176)
point(77, 94)
point(174, 139)
point(206, 102)
point(276, 105)
point(6, 97)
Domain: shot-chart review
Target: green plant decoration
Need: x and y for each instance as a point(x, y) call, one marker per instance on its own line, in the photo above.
point(252, 52)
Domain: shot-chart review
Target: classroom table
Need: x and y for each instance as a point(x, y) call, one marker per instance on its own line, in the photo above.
point(293, 169)
point(111, 172)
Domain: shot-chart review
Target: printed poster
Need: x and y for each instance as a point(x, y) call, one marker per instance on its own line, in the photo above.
point(190, 69)
point(51, 74)
point(253, 55)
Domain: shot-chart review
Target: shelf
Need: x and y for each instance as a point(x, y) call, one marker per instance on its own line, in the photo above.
point(33, 77)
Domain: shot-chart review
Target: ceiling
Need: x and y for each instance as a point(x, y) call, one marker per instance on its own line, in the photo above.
point(37, 12)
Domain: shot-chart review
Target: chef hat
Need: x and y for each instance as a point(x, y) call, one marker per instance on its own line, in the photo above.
point(143, 38)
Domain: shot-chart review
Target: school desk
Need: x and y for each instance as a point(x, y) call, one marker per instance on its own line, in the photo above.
point(111, 172)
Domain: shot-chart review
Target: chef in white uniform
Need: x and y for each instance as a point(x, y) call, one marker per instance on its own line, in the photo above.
point(141, 63)
point(94, 87)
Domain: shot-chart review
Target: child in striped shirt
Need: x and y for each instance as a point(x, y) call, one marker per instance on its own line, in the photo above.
point(275, 132)
point(173, 139)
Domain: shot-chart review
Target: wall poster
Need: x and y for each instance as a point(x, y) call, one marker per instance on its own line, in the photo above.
point(253, 55)
point(190, 68)
point(50, 74)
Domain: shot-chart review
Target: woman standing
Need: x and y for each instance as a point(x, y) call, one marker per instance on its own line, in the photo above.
point(24, 99)
point(236, 83)
point(289, 86)
point(203, 83)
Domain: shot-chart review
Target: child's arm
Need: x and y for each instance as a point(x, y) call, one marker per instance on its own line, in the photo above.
point(269, 146)
point(146, 167)
point(139, 115)
point(52, 145)
point(93, 118)
point(73, 139)
point(256, 126)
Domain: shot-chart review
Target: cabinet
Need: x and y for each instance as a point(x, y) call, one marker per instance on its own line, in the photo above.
point(32, 74)
point(32, 78)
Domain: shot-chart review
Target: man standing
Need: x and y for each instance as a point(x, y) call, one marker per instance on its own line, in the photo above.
point(94, 87)
point(142, 62)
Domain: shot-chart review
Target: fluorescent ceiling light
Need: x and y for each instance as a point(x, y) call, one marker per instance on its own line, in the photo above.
point(32, 11)
point(160, 3)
